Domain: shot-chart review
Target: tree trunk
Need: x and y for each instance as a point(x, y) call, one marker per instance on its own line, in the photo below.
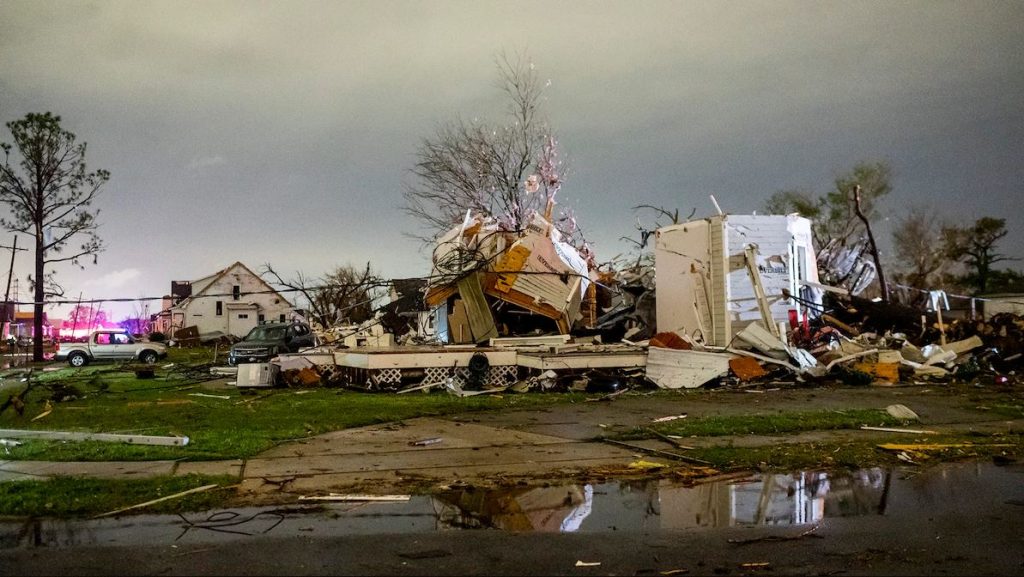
point(37, 307)
point(874, 247)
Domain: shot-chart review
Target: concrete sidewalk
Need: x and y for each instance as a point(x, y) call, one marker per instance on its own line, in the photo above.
point(519, 445)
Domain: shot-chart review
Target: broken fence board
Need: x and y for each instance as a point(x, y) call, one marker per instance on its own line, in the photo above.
point(106, 437)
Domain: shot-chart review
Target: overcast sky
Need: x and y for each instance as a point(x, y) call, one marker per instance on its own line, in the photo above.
point(283, 132)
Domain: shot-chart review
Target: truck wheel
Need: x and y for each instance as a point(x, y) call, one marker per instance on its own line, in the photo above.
point(147, 357)
point(77, 359)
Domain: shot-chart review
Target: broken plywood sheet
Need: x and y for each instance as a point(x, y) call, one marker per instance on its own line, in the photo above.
point(481, 321)
point(674, 369)
point(746, 368)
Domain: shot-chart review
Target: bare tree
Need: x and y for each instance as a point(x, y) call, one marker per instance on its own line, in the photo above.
point(918, 248)
point(344, 295)
point(834, 213)
point(975, 247)
point(49, 193)
point(841, 220)
point(645, 232)
point(509, 172)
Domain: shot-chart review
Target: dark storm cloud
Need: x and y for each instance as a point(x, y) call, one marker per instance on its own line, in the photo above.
point(283, 131)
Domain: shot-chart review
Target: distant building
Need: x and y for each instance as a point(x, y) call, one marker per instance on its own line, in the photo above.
point(23, 325)
point(231, 301)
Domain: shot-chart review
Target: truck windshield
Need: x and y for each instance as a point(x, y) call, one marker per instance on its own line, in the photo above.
point(266, 334)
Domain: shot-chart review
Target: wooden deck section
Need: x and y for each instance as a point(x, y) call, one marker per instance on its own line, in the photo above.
point(583, 359)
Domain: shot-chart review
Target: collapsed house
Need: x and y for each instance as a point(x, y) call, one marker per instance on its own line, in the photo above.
point(540, 279)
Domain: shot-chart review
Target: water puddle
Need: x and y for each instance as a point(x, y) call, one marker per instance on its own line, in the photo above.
point(778, 500)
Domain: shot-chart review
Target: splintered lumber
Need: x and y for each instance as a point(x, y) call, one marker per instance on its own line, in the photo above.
point(892, 430)
point(106, 437)
point(355, 497)
point(160, 500)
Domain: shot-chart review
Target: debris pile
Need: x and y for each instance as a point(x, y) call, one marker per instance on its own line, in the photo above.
point(739, 303)
point(850, 351)
point(496, 282)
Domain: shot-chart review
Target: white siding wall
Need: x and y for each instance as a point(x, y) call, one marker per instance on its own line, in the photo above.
point(716, 247)
point(235, 318)
point(774, 262)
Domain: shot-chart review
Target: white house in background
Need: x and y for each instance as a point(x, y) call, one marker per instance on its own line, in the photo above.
point(231, 301)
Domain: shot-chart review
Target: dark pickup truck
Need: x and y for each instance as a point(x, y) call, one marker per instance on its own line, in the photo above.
point(266, 341)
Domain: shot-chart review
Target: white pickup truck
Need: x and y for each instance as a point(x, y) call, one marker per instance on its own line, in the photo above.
point(109, 346)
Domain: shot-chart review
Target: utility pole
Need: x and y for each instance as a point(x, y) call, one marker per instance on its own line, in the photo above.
point(7, 294)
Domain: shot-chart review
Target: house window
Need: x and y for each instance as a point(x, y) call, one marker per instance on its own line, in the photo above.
point(243, 315)
point(236, 292)
point(260, 318)
point(220, 308)
point(280, 319)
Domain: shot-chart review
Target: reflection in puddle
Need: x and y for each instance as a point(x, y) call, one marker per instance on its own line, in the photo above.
point(774, 500)
point(545, 509)
point(794, 499)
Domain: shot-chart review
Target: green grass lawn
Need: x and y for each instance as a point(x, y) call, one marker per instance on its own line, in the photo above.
point(79, 497)
point(111, 399)
point(774, 424)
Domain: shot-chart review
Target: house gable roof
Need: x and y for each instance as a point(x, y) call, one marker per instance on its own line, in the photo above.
point(201, 286)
